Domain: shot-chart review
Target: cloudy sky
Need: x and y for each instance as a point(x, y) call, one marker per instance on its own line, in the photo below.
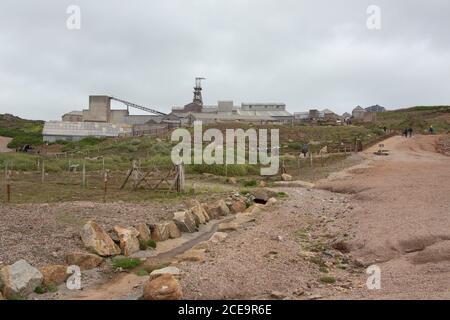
point(308, 54)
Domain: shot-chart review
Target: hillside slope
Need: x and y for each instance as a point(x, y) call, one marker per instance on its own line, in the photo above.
point(21, 130)
point(419, 118)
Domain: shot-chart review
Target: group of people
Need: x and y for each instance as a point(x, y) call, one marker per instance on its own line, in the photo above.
point(407, 132)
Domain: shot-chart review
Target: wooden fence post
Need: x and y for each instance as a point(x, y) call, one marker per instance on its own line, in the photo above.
point(179, 178)
point(8, 192)
point(43, 171)
point(7, 184)
point(105, 185)
point(84, 173)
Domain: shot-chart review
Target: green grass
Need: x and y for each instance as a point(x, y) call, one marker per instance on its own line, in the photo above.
point(151, 243)
point(282, 195)
point(250, 183)
point(22, 131)
point(126, 263)
point(142, 273)
point(44, 289)
point(14, 297)
point(419, 118)
point(152, 267)
point(144, 245)
point(328, 280)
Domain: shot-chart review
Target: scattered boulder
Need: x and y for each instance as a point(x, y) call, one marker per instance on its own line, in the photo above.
point(262, 184)
point(271, 202)
point(199, 217)
point(114, 237)
point(218, 209)
point(228, 226)
point(243, 217)
point(144, 232)
point(174, 232)
point(164, 287)
point(129, 242)
point(277, 295)
point(84, 260)
point(255, 208)
point(201, 207)
point(98, 241)
point(54, 275)
point(218, 237)
point(160, 232)
point(286, 177)
point(238, 206)
point(184, 221)
point(193, 255)
point(168, 270)
point(20, 279)
point(263, 194)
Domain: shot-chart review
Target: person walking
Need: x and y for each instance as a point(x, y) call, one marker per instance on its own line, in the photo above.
point(410, 132)
point(405, 133)
point(305, 149)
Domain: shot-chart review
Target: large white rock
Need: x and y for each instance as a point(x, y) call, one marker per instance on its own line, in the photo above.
point(20, 279)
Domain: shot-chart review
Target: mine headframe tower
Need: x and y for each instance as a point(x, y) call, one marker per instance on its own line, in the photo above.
point(198, 91)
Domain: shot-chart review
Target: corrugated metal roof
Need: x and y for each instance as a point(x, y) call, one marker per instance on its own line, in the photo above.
point(268, 113)
point(224, 116)
point(84, 129)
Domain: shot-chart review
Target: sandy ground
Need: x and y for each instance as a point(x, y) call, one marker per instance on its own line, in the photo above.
point(3, 144)
point(402, 220)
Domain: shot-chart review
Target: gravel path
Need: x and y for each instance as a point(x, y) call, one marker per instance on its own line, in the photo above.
point(283, 254)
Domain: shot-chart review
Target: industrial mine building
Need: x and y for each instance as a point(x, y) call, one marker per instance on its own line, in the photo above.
point(99, 120)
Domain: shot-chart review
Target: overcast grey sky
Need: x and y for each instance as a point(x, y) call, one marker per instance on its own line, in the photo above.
point(308, 54)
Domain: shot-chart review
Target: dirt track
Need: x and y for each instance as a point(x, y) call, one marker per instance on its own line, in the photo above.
point(392, 211)
point(3, 144)
point(401, 220)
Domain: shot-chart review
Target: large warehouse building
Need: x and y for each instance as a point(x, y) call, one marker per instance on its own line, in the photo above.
point(99, 120)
